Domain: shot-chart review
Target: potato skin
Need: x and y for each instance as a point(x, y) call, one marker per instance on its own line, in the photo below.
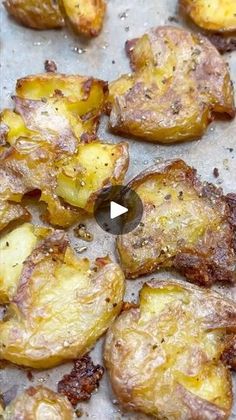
point(85, 17)
point(163, 358)
point(61, 307)
point(186, 225)
point(36, 15)
point(154, 104)
point(38, 403)
point(212, 15)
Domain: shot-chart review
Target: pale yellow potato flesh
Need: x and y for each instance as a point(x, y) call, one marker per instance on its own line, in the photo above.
point(212, 15)
point(163, 357)
point(61, 306)
point(95, 166)
point(14, 250)
point(39, 403)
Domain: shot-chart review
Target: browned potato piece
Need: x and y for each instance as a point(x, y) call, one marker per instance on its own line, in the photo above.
point(60, 306)
point(85, 16)
point(180, 82)
point(164, 357)
point(186, 225)
point(39, 403)
point(36, 14)
point(28, 166)
point(55, 118)
point(212, 15)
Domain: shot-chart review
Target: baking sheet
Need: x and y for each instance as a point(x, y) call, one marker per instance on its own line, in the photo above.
point(23, 51)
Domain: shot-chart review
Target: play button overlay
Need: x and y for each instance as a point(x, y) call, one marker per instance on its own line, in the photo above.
point(118, 210)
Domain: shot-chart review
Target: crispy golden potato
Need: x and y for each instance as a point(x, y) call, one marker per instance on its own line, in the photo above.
point(164, 357)
point(39, 403)
point(59, 106)
point(186, 225)
point(34, 14)
point(28, 166)
point(179, 84)
point(85, 16)
point(212, 15)
point(61, 305)
point(45, 147)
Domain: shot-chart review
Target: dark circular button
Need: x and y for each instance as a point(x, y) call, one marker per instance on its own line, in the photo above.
point(118, 210)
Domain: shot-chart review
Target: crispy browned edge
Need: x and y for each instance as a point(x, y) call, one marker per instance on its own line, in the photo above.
point(205, 189)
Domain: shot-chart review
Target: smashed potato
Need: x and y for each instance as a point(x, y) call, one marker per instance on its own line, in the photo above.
point(9, 212)
point(186, 225)
point(39, 403)
point(179, 84)
point(45, 147)
point(164, 357)
point(76, 179)
point(85, 16)
point(212, 15)
point(34, 14)
point(61, 305)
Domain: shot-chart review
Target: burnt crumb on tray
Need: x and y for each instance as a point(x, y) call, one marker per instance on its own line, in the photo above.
point(83, 380)
point(50, 66)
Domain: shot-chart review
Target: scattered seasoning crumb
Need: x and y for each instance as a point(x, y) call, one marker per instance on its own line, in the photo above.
point(30, 375)
point(167, 197)
point(216, 172)
point(113, 62)
point(82, 233)
point(79, 412)
point(81, 250)
point(173, 19)
point(82, 381)
point(123, 15)
point(127, 29)
point(50, 66)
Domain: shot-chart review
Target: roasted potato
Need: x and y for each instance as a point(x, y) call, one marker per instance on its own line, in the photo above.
point(34, 14)
point(28, 166)
point(187, 225)
point(60, 305)
point(85, 16)
point(212, 15)
point(59, 106)
point(39, 403)
point(13, 256)
point(179, 84)
point(45, 147)
point(164, 357)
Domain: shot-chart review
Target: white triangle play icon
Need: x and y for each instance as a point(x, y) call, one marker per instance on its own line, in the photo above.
point(117, 210)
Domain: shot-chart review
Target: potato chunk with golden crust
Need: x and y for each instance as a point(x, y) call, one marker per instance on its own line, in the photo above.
point(85, 16)
point(186, 225)
point(34, 14)
point(164, 357)
point(212, 15)
point(9, 212)
point(39, 403)
point(77, 179)
point(62, 305)
point(55, 118)
point(180, 82)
